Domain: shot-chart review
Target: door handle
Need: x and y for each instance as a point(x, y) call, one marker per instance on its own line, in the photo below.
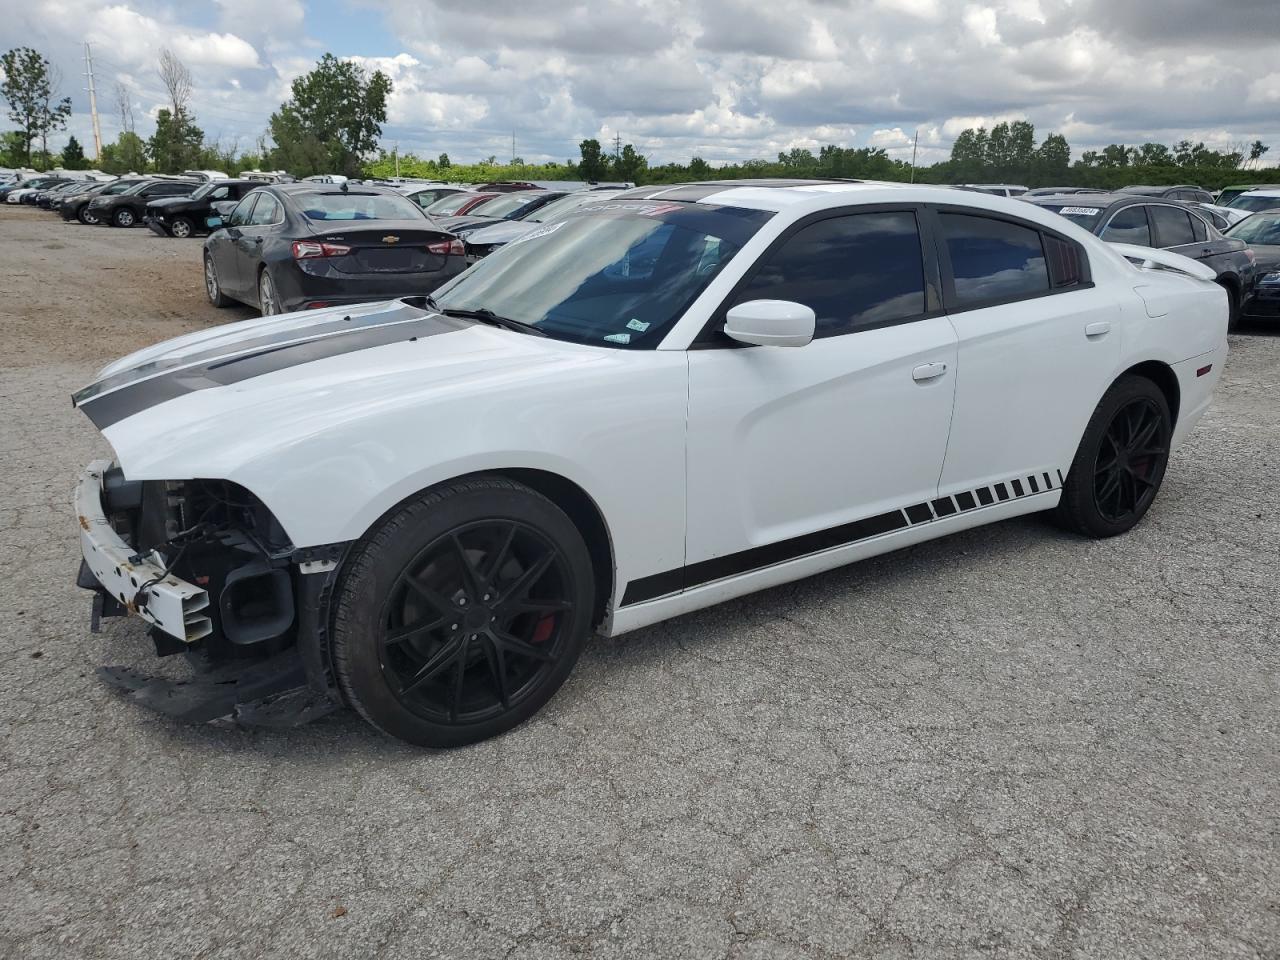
point(1097, 330)
point(928, 371)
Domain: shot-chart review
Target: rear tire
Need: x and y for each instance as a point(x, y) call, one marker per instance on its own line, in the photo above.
point(1233, 308)
point(1121, 461)
point(212, 285)
point(463, 613)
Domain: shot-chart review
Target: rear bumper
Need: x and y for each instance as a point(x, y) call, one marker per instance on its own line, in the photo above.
point(172, 605)
point(298, 289)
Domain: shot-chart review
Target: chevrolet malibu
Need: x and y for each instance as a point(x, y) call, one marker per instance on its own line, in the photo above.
point(423, 508)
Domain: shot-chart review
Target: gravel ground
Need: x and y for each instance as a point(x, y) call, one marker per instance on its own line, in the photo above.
point(1008, 743)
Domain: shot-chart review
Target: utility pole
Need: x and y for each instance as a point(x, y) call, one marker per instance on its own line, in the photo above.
point(513, 147)
point(93, 103)
point(915, 143)
point(617, 147)
point(397, 156)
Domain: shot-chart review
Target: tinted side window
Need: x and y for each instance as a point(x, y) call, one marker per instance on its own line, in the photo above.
point(855, 271)
point(219, 193)
point(240, 215)
point(1172, 226)
point(267, 211)
point(993, 259)
point(1198, 228)
point(1129, 226)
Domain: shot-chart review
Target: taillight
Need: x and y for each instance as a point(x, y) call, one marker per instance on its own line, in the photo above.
point(447, 248)
point(306, 249)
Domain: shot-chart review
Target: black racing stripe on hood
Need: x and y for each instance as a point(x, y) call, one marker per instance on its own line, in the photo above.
point(106, 409)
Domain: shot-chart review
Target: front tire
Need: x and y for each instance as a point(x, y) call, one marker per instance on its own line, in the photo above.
point(463, 613)
point(1121, 461)
point(181, 228)
point(85, 217)
point(124, 217)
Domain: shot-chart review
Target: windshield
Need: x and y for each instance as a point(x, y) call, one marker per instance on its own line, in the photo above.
point(1253, 202)
point(451, 204)
point(616, 273)
point(350, 205)
point(1261, 228)
point(559, 209)
point(504, 205)
point(204, 191)
point(1080, 214)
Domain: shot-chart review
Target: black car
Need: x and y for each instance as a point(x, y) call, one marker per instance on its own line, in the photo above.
point(48, 184)
point(183, 217)
point(76, 206)
point(1261, 232)
point(128, 207)
point(509, 206)
point(1166, 224)
point(300, 246)
point(44, 198)
point(1183, 191)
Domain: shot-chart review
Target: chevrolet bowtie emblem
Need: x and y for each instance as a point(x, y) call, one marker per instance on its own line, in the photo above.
point(390, 239)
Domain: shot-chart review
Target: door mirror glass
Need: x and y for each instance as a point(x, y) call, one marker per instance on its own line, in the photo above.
point(213, 223)
point(770, 323)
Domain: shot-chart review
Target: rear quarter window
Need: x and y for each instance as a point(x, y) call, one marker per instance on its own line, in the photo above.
point(993, 260)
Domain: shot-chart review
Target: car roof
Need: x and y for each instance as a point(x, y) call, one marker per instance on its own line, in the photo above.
point(1268, 192)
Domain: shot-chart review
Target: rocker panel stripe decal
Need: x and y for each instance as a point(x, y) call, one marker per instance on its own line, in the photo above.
point(703, 572)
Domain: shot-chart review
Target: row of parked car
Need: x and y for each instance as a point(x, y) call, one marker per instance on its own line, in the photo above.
point(282, 246)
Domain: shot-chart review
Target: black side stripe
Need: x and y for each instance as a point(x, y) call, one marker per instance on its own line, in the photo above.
point(773, 554)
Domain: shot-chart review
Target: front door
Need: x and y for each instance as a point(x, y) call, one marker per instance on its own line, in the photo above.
point(797, 450)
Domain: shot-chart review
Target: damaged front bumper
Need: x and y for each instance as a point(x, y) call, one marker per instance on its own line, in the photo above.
point(140, 584)
point(262, 684)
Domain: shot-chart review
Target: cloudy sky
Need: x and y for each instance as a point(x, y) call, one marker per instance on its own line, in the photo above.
point(721, 79)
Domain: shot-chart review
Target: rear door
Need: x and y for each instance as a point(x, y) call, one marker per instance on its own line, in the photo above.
point(1037, 349)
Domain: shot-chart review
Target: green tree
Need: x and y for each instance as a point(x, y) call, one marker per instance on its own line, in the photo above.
point(177, 143)
point(31, 87)
point(127, 155)
point(593, 166)
point(699, 169)
point(73, 155)
point(13, 149)
point(443, 162)
point(630, 165)
point(1256, 150)
point(1052, 159)
point(332, 121)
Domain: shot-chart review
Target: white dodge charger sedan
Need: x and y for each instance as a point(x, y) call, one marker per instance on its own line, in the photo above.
point(675, 396)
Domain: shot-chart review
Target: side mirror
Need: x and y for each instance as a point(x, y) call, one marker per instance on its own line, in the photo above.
point(213, 223)
point(771, 323)
point(223, 207)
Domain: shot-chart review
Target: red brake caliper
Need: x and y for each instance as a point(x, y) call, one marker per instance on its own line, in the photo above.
point(542, 632)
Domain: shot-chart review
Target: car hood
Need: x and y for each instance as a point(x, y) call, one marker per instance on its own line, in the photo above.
point(1268, 257)
point(165, 203)
point(195, 405)
point(502, 232)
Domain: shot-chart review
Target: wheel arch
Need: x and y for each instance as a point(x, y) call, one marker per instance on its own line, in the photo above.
point(1163, 376)
point(570, 497)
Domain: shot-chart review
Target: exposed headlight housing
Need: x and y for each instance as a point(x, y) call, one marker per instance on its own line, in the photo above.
point(1272, 277)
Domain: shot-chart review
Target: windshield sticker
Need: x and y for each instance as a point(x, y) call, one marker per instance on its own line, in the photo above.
point(637, 325)
point(618, 338)
point(540, 232)
point(632, 207)
point(1080, 211)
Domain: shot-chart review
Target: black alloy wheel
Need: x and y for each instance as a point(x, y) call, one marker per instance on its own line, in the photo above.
point(1130, 461)
point(474, 621)
point(1121, 460)
point(463, 613)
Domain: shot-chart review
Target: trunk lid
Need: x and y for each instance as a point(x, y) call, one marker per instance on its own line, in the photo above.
point(385, 246)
